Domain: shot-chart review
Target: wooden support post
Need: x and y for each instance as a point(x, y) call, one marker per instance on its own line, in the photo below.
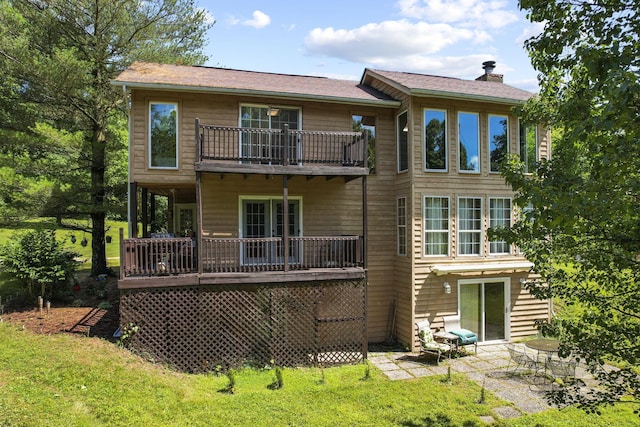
point(145, 212)
point(133, 209)
point(285, 220)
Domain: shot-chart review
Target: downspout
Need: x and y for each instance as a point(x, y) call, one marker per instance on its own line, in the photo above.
point(129, 138)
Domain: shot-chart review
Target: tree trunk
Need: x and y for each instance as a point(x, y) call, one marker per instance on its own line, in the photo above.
point(98, 215)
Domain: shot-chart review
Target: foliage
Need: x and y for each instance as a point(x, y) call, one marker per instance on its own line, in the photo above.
point(58, 61)
point(581, 222)
point(39, 259)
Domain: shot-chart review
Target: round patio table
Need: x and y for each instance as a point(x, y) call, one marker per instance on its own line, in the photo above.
point(545, 345)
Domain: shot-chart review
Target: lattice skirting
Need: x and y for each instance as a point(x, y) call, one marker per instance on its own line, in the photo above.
point(201, 328)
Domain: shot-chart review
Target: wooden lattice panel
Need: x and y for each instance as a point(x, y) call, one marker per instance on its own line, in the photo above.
point(200, 328)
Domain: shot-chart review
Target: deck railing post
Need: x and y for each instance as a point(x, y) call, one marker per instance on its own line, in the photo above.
point(285, 146)
point(122, 257)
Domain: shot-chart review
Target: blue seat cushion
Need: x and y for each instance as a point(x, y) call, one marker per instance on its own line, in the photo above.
point(466, 336)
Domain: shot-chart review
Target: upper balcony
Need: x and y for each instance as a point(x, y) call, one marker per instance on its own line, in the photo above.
point(280, 151)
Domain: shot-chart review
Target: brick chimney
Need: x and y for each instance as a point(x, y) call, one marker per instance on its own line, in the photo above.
point(489, 76)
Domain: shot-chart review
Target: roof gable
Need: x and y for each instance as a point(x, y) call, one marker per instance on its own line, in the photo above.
point(449, 87)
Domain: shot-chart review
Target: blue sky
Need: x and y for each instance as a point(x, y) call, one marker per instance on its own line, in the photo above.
point(340, 39)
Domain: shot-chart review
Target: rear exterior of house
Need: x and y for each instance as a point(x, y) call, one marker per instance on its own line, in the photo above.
point(295, 219)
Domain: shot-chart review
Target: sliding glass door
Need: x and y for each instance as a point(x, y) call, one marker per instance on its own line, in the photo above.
point(483, 306)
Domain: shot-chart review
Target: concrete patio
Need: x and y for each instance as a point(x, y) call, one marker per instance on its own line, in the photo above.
point(487, 368)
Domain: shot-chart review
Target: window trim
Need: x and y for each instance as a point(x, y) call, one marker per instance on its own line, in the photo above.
point(519, 148)
point(424, 226)
point(149, 132)
point(480, 231)
point(510, 219)
point(489, 138)
point(401, 250)
point(446, 140)
point(398, 133)
point(268, 198)
point(479, 147)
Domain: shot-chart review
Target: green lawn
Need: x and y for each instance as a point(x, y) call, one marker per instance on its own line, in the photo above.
point(65, 380)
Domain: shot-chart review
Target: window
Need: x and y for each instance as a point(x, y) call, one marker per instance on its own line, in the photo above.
point(527, 146)
point(403, 142)
point(469, 226)
point(436, 225)
point(499, 217)
point(402, 225)
point(468, 135)
point(435, 140)
point(163, 135)
point(498, 141)
point(367, 124)
point(267, 147)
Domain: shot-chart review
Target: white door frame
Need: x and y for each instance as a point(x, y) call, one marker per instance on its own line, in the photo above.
point(507, 303)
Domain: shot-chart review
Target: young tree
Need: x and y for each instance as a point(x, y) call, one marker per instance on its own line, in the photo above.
point(581, 224)
point(40, 261)
point(61, 56)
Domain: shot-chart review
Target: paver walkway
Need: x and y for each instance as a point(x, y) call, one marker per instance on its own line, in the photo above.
point(487, 368)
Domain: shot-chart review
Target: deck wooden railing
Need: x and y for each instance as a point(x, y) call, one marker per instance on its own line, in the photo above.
point(281, 146)
point(155, 256)
point(158, 256)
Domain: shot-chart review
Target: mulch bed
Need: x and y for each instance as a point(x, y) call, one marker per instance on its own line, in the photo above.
point(87, 319)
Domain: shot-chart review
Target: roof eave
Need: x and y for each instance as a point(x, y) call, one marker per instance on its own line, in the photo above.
point(262, 93)
point(466, 97)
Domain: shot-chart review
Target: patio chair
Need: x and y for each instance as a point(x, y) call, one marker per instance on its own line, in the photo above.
point(519, 356)
point(466, 337)
point(428, 344)
point(563, 369)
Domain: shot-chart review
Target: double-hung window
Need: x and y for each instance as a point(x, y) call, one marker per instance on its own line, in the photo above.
point(163, 135)
point(402, 126)
point(469, 226)
point(527, 146)
point(402, 225)
point(435, 140)
point(499, 217)
point(498, 141)
point(469, 138)
point(436, 225)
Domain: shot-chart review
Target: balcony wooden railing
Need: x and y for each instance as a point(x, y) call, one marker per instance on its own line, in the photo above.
point(281, 146)
point(158, 256)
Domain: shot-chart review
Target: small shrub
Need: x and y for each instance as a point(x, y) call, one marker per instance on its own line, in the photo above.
point(77, 303)
point(105, 305)
point(367, 371)
point(127, 334)
point(231, 385)
point(278, 381)
point(40, 261)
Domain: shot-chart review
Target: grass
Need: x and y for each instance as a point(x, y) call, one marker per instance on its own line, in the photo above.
point(78, 381)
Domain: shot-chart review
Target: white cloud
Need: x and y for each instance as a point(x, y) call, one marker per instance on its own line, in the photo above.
point(387, 40)
point(484, 14)
point(259, 20)
point(529, 31)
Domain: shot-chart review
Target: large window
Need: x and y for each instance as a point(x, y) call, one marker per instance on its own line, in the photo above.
point(469, 137)
point(435, 140)
point(498, 141)
point(268, 147)
point(367, 124)
point(499, 217)
point(469, 226)
point(402, 126)
point(527, 146)
point(163, 135)
point(436, 225)
point(402, 225)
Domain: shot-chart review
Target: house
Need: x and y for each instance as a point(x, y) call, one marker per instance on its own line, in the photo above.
point(297, 218)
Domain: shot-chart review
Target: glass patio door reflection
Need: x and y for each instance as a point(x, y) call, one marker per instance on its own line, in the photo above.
point(483, 308)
